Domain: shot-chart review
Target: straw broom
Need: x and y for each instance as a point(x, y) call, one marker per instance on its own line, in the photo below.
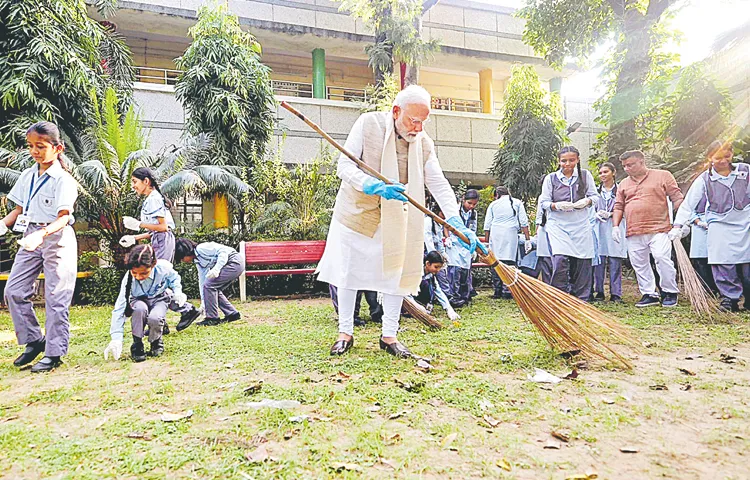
point(702, 301)
point(421, 314)
point(566, 322)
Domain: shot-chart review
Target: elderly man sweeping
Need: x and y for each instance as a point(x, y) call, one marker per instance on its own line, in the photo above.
point(375, 241)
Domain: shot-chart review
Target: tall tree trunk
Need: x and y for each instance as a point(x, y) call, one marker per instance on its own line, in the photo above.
point(412, 71)
point(637, 43)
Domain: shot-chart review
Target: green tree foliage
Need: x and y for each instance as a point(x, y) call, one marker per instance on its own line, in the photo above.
point(379, 98)
point(695, 114)
point(561, 29)
point(293, 204)
point(533, 132)
point(225, 89)
point(54, 59)
point(397, 36)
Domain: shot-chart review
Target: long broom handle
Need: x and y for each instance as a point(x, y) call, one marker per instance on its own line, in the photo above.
point(374, 172)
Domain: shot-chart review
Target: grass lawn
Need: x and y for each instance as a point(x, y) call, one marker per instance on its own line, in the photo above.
point(368, 415)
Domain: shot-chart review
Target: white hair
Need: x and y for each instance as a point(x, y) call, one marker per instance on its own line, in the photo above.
point(413, 94)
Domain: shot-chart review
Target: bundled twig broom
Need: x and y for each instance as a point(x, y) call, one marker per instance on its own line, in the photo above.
point(420, 313)
point(566, 322)
point(702, 301)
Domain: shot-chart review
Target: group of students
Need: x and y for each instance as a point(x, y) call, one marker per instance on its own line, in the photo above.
point(583, 236)
point(44, 197)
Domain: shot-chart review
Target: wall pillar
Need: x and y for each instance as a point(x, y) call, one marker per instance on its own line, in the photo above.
point(485, 91)
point(555, 84)
point(221, 211)
point(319, 73)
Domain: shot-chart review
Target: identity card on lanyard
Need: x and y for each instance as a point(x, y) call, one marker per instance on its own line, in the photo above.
point(22, 222)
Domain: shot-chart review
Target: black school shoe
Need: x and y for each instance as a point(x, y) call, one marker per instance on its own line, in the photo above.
point(210, 322)
point(232, 317)
point(615, 299)
point(648, 301)
point(137, 353)
point(669, 300)
point(46, 364)
point(32, 351)
point(599, 297)
point(358, 322)
point(157, 348)
point(729, 305)
point(340, 347)
point(187, 318)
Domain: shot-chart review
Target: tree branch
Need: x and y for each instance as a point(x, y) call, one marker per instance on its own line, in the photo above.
point(657, 7)
point(618, 6)
point(428, 4)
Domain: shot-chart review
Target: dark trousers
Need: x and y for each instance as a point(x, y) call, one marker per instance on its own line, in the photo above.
point(544, 269)
point(572, 275)
point(376, 309)
point(703, 269)
point(497, 282)
point(615, 276)
point(732, 279)
point(460, 288)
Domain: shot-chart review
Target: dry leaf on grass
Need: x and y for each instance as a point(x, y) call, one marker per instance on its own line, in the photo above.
point(259, 455)
point(565, 437)
point(393, 439)
point(139, 436)
point(608, 401)
point(629, 449)
point(176, 417)
point(572, 375)
point(693, 356)
point(726, 358)
point(253, 388)
point(424, 365)
point(9, 419)
point(658, 386)
point(504, 464)
point(553, 444)
point(491, 421)
point(396, 415)
point(687, 372)
point(686, 387)
point(351, 467)
point(448, 441)
point(541, 376)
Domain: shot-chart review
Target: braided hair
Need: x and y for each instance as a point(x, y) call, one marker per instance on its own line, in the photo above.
point(582, 187)
point(143, 173)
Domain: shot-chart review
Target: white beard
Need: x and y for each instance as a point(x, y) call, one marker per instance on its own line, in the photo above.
point(400, 128)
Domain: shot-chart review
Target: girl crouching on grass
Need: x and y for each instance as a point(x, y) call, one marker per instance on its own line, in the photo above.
point(218, 266)
point(145, 295)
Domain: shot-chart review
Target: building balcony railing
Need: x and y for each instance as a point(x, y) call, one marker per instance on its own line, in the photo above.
point(164, 76)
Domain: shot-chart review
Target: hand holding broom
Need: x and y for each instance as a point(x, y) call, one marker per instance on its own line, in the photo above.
point(566, 322)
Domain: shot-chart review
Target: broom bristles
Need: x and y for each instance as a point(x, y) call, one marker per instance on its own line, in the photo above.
point(420, 313)
point(702, 301)
point(566, 322)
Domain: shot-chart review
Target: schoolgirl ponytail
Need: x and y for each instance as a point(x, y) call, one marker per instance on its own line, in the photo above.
point(142, 173)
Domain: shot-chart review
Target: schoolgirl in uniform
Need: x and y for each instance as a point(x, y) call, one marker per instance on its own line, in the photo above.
point(611, 254)
point(429, 289)
point(218, 266)
point(157, 219)
point(44, 196)
point(460, 258)
point(725, 188)
point(434, 240)
point(145, 295)
point(543, 253)
point(505, 217)
point(566, 196)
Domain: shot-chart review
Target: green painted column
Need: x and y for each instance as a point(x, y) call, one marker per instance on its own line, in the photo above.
point(319, 73)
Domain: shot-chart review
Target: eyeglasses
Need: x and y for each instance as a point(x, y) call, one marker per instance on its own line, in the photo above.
point(416, 121)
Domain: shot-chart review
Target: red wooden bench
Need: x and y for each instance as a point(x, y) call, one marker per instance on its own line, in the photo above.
point(279, 253)
point(282, 253)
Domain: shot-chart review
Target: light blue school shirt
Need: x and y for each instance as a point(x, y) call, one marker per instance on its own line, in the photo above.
point(162, 277)
point(458, 256)
point(209, 255)
point(433, 240)
point(54, 191)
point(154, 208)
point(503, 221)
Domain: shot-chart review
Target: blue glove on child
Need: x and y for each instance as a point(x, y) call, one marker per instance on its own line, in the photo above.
point(394, 191)
point(458, 224)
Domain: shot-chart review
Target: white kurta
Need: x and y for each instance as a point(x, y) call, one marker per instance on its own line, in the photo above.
point(728, 238)
point(355, 261)
point(503, 223)
point(569, 233)
point(542, 242)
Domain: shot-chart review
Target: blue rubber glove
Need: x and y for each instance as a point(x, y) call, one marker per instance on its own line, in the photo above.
point(458, 224)
point(394, 191)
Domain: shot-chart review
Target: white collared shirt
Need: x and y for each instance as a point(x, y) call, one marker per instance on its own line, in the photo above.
point(54, 191)
point(154, 208)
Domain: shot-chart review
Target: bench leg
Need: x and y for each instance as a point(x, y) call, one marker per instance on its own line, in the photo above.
point(243, 287)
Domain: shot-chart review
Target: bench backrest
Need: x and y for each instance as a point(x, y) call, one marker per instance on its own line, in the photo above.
point(284, 253)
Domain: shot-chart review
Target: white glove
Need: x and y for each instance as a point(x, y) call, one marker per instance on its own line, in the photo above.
point(527, 246)
point(564, 206)
point(213, 273)
point(131, 223)
point(617, 234)
point(114, 348)
point(179, 299)
point(127, 241)
point(3, 228)
point(685, 230)
point(603, 215)
point(675, 234)
point(582, 203)
point(453, 315)
point(448, 242)
point(699, 223)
